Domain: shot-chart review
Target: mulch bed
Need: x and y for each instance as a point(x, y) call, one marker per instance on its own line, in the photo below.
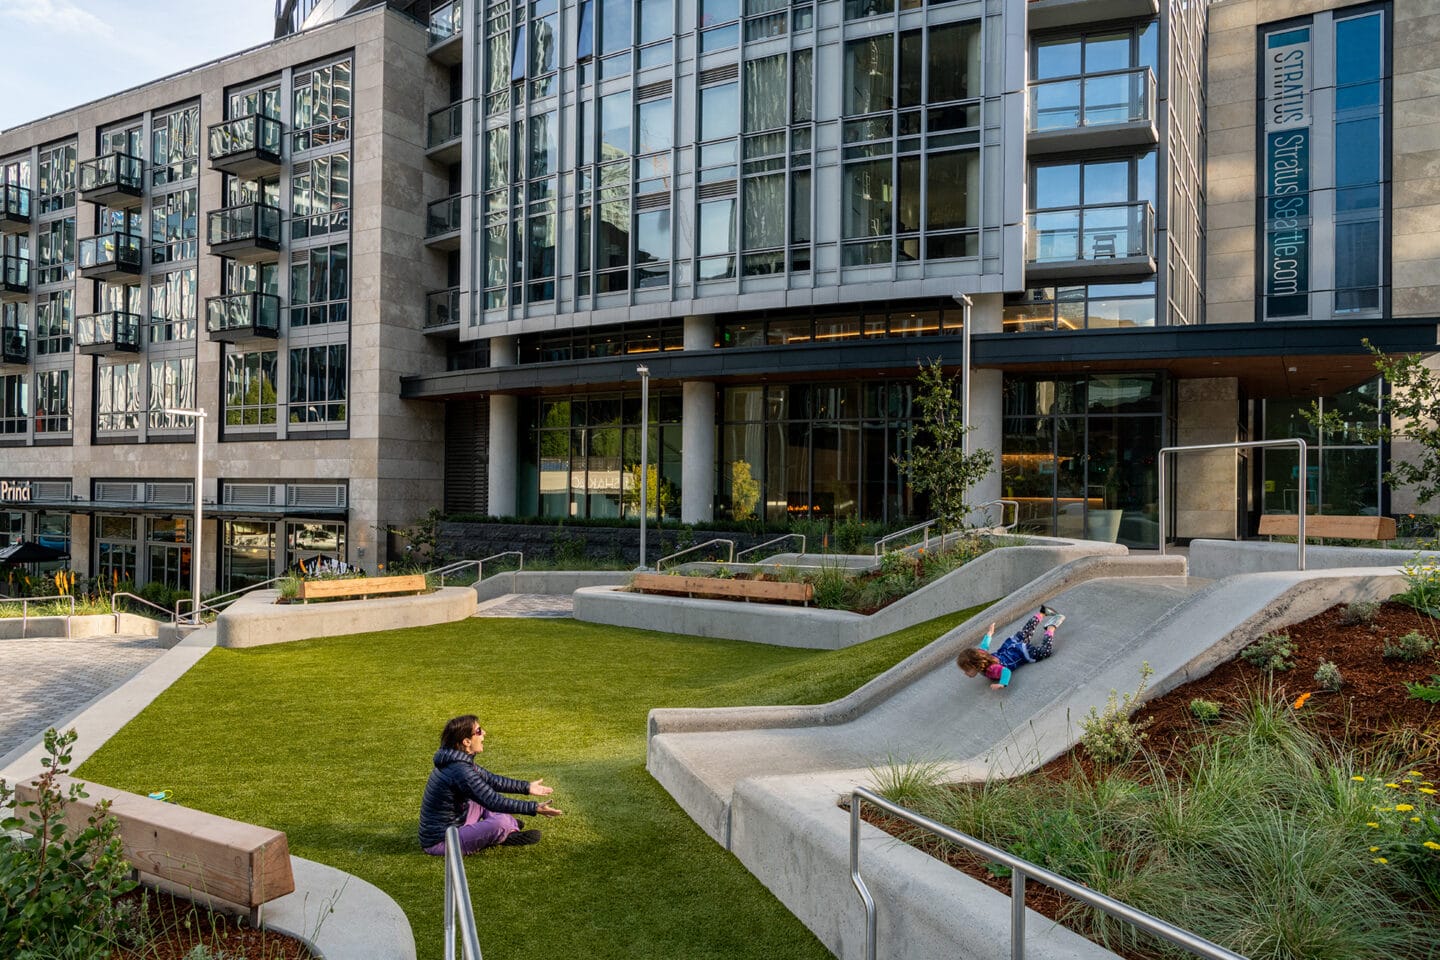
point(176, 926)
point(1371, 705)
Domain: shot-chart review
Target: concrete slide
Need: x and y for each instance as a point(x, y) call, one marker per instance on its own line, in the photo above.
point(764, 781)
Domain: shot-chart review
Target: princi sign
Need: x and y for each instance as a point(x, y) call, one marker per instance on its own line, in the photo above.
point(15, 492)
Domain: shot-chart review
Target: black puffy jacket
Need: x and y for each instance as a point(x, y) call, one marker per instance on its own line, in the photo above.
point(456, 779)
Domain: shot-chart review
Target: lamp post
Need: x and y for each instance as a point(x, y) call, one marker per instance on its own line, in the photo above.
point(644, 372)
point(198, 416)
point(965, 305)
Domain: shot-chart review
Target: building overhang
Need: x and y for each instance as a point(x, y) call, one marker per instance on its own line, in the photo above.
point(1292, 359)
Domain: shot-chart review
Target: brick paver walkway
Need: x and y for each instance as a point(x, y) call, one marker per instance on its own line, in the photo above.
point(527, 605)
point(47, 681)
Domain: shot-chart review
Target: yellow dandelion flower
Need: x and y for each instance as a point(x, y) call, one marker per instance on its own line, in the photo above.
point(1373, 826)
point(1429, 791)
point(1414, 819)
point(1431, 845)
point(1379, 860)
point(1358, 779)
point(1393, 786)
point(1404, 807)
point(1374, 849)
point(1413, 773)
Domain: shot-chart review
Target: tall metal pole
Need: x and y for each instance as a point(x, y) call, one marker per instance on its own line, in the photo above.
point(644, 372)
point(198, 418)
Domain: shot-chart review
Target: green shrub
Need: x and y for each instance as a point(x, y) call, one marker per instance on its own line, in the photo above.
point(1328, 678)
point(1110, 736)
point(1270, 653)
point(1411, 648)
point(289, 586)
point(58, 884)
point(1429, 692)
point(1360, 612)
point(1206, 711)
point(832, 589)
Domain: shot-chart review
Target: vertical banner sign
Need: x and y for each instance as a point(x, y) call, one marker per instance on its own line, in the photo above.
point(1288, 75)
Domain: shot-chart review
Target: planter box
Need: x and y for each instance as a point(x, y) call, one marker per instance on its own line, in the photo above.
point(360, 587)
point(767, 591)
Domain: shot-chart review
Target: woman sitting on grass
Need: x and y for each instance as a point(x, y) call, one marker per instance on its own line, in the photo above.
point(460, 793)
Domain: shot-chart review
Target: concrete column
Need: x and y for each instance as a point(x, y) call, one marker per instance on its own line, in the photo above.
point(697, 440)
point(504, 437)
point(1206, 484)
point(987, 398)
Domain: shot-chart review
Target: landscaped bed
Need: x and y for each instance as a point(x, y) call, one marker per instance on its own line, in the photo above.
point(1295, 822)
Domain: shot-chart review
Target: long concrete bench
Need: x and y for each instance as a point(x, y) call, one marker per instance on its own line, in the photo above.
point(197, 852)
point(1328, 525)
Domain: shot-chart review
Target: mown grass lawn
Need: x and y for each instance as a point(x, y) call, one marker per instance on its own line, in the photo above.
point(330, 741)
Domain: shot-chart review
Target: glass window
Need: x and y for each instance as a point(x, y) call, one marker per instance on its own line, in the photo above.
point(172, 385)
point(766, 95)
point(616, 32)
point(719, 111)
point(1057, 185)
point(14, 404)
point(764, 212)
point(1359, 49)
point(869, 188)
point(656, 126)
point(585, 38)
point(250, 388)
point(320, 285)
point(869, 75)
point(657, 20)
point(615, 135)
point(953, 190)
point(117, 396)
point(1057, 58)
point(52, 401)
point(318, 384)
point(1107, 52)
point(713, 12)
point(173, 307)
point(322, 99)
point(955, 62)
point(320, 196)
point(175, 142)
point(174, 226)
point(652, 236)
point(803, 96)
point(912, 63)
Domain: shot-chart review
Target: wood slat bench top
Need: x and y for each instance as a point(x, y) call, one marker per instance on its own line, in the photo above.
point(361, 586)
point(725, 589)
point(1328, 525)
point(237, 862)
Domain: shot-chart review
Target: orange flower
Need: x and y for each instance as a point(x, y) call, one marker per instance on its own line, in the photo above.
point(1300, 701)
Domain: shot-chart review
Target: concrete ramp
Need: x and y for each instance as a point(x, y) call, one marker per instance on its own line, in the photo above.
point(764, 781)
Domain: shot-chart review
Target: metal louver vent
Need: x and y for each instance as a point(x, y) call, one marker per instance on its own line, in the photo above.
point(253, 494)
point(652, 201)
point(725, 188)
point(720, 74)
point(330, 495)
point(51, 490)
point(653, 90)
point(168, 493)
point(111, 492)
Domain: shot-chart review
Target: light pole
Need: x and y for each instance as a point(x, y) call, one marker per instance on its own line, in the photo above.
point(965, 305)
point(644, 372)
point(198, 416)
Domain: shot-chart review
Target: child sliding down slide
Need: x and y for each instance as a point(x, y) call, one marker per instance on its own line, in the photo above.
point(1015, 651)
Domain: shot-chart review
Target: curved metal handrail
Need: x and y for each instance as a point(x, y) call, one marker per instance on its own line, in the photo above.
point(761, 546)
point(479, 565)
point(25, 610)
point(923, 525)
point(457, 901)
point(729, 543)
point(211, 604)
point(1019, 869)
point(1002, 525)
point(174, 618)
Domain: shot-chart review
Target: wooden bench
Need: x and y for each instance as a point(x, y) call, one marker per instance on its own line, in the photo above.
point(722, 589)
point(361, 587)
point(1328, 525)
point(198, 852)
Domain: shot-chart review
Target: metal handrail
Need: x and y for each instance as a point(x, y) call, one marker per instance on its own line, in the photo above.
point(1304, 493)
point(174, 617)
point(457, 901)
point(211, 604)
point(1002, 502)
point(1019, 869)
point(729, 543)
point(761, 546)
point(479, 565)
point(25, 610)
point(924, 525)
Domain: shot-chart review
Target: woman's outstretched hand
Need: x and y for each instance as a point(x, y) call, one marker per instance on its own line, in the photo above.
point(545, 810)
point(538, 788)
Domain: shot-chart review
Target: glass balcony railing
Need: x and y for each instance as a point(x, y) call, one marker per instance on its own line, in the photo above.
point(14, 344)
point(243, 314)
point(14, 202)
point(113, 252)
point(442, 308)
point(245, 135)
point(442, 217)
point(117, 172)
point(1101, 99)
point(1091, 234)
point(15, 273)
point(106, 332)
point(446, 21)
point(443, 126)
point(255, 223)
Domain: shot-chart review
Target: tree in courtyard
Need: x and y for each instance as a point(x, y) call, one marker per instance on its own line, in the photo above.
point(744, 491)
point(937, 463)
point(659, 492)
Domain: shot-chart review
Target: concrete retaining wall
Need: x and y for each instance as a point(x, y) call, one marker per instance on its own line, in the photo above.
point(618, 545)
point(1214, 559)
point(256, 619)
point(553, 583)
point(988, 577)
point(93, 625)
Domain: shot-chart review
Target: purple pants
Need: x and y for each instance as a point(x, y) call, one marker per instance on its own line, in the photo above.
point(482, 828)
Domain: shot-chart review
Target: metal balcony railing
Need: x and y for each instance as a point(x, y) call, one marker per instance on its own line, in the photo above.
point(14, 344)
point(252, 314)
point(442, 217)
point(115, 171)
point(15, 273)
point(446, 21)
point(113, 330)
point(14, 202)
point(116, 249)
point(443, 126)
point(1094, 233)
point(442, 308)
point(260, 134)
point(1100, 99)
point(256, 222)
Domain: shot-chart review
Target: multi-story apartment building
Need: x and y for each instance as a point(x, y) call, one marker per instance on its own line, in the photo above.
point(778, 209)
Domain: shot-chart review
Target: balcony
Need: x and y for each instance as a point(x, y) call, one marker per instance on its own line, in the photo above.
point(14, 346)
point(116, 257)
point(248, 233)
point(246, 147)
point(442, 310)
point(117, 180)
point(242, 316)
point(14, 277)
point(14, 208)
point(1045, 14)
point(443, 134)
point(1097, 242)
point(111, 332)
point(1093, 112)
point(442, 224)
point(447, 30)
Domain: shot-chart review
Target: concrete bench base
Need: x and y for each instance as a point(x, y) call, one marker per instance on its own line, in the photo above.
point(256, 619)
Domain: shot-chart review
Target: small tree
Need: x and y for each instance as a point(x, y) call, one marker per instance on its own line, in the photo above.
point(659, 492)
point(937, 463)
point(744, 490)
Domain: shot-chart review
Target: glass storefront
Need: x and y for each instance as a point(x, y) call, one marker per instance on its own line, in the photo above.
point(247, 553)
point(167, 548)
point(117, 549)
point(308, 543)
point(1343, 473)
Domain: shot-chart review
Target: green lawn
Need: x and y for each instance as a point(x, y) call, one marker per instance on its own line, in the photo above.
point(330, 741)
